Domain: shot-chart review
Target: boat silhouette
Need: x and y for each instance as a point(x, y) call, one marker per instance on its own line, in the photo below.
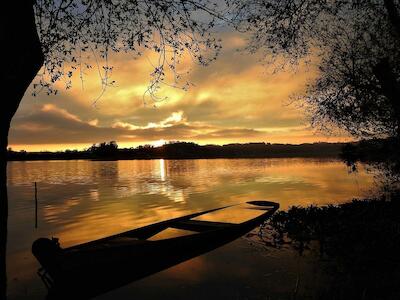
point(89, 269)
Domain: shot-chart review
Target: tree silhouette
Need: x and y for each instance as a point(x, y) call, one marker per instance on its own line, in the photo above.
point(356, 47)
point(50, 39)
point(104, 149)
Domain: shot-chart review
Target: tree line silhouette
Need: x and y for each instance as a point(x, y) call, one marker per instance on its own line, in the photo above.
point(186, 150)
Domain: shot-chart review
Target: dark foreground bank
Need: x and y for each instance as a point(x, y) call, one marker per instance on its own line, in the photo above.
point(357, 244)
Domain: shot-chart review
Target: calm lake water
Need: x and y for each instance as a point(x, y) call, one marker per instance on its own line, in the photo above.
point(85, 200)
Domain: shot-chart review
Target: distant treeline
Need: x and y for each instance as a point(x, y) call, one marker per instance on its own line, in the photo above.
point(187, 150)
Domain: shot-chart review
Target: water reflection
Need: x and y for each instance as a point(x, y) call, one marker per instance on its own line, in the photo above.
point(162, 169)
point(86, 200)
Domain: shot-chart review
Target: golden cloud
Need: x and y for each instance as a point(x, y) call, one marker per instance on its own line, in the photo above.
point(232, 100)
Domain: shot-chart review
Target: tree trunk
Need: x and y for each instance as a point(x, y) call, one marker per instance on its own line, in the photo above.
point(22, 59)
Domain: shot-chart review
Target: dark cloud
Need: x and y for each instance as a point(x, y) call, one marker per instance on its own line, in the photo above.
point(52, 125)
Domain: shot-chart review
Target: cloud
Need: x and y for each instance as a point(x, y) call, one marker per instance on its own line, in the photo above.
point(57, 125)
point(125, 125)
point(62, 113)
point(174, 119)
point(51, 125)
point(93, 122)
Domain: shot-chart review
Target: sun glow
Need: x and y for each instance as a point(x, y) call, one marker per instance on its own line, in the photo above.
point(158, 143)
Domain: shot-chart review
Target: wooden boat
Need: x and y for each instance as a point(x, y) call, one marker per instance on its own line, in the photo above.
point(92, 268)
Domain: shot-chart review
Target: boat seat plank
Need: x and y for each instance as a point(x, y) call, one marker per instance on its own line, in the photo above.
point(200, 226)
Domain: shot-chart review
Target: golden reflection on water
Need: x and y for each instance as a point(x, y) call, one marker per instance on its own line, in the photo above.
point(82, 200)
point(85, 200)
point(162, 169)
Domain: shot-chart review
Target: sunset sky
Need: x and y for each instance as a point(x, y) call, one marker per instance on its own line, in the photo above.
point(235, 99)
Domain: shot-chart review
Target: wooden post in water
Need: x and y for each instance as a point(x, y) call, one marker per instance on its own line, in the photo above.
point(36, 205)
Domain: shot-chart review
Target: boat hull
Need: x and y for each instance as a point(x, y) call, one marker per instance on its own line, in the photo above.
point(89, 269)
